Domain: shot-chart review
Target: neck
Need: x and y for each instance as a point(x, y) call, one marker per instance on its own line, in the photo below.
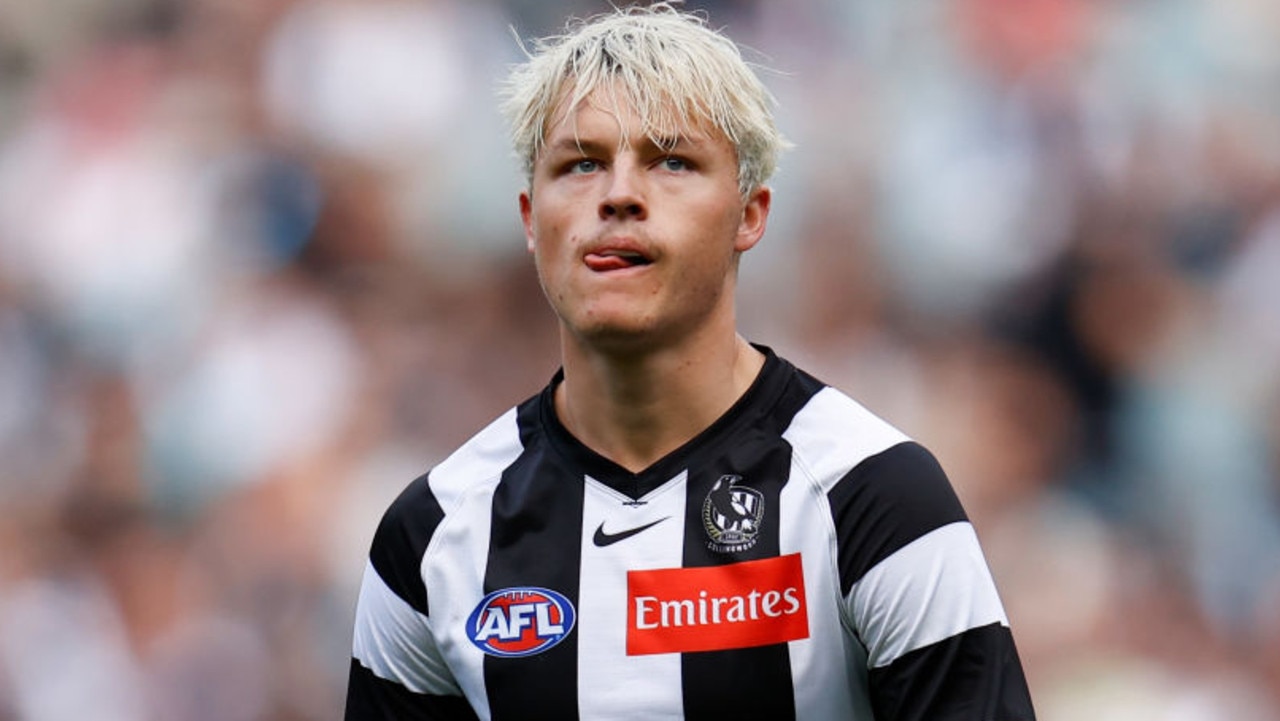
point(636, 408)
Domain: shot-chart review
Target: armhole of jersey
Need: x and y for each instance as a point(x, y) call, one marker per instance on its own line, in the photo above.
point(472, 470)
point(818, 493)
point(887, 502)
point(832, 436)
point(396, 642)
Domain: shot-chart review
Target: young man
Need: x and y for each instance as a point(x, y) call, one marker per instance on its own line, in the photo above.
point(682, 524)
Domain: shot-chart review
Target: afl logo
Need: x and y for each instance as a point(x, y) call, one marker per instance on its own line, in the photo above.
point(731, 515)
point(520, 621)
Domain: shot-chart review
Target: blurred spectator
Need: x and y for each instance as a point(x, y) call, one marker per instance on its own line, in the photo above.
point(260, 262)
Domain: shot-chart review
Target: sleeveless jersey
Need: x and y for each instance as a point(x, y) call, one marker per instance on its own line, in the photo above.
point(799, 559)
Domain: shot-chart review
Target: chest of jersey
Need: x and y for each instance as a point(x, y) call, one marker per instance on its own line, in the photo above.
point(708, 597)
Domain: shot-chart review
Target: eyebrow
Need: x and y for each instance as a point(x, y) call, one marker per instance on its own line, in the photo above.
point(664, 143)
point(574, 144)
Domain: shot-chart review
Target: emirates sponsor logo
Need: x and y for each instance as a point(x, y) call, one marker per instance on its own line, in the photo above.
point(753, 603)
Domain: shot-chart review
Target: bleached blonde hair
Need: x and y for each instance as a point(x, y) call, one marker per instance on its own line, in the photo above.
point(666, 64)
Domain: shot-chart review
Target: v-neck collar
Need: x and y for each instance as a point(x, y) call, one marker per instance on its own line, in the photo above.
point(763, 393)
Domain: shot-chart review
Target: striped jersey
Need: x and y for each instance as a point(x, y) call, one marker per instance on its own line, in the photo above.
point(799, 559)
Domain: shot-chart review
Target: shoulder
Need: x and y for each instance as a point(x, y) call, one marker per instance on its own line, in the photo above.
point(883, 488)
point(410, 522)
point(481, 458)
point(832, 433)
point(484, 456)
point(849, 450)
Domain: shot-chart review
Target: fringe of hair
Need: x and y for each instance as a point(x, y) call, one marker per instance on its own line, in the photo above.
point(666, 64)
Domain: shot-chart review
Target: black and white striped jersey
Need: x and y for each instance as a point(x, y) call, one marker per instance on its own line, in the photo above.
point(799, 559)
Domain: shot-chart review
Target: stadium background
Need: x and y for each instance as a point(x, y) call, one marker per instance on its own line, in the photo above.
point(260, 266)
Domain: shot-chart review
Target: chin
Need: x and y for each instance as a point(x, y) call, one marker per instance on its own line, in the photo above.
point(617, 335)
point(615, 338)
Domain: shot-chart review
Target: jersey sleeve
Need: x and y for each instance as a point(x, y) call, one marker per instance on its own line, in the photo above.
point(397, 671)
point(920, 596)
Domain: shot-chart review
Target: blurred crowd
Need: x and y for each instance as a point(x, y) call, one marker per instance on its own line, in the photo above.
point(260, 266)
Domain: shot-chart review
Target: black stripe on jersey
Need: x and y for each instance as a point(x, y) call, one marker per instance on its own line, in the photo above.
point(401, 540)
point(370, 698)
point(886, 502)
point(799, 390)
point(536, 540)
point(741, 683)
point(943, 681)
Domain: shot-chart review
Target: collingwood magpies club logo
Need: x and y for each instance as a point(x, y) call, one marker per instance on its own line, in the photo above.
point(731, 515)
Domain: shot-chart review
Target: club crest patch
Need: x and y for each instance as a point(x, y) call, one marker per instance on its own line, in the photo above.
point(731, 515)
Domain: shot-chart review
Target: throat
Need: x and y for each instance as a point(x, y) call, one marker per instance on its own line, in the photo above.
point(633, 433)
point(639, 414)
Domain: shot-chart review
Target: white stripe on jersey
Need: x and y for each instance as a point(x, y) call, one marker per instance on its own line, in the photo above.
point(464, 531)
point(929, 590)
point(843, 693)
point(395, 641)
point(611, 684)
point(829, 456)
point(821, 459)
point(482, 458)
point(463, 486)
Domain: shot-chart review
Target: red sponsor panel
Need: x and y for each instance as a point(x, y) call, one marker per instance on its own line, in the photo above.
point(753, 603)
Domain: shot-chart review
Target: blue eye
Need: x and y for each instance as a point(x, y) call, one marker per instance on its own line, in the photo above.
point(584, 166)
point(673, 163)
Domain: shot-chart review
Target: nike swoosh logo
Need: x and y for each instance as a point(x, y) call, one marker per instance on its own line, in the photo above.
point(603, 539)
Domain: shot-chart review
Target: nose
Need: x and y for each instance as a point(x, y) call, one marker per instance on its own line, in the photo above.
point(624, 198)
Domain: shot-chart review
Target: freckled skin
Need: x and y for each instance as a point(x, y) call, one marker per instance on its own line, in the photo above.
point(595, 183)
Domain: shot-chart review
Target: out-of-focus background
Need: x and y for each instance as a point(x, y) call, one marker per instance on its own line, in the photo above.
point(260, 266)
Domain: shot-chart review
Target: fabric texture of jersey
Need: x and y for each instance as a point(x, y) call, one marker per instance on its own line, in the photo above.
point(799, 559)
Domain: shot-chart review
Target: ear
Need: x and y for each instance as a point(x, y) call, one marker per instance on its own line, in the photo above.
point(755, 216)
point(526, 217)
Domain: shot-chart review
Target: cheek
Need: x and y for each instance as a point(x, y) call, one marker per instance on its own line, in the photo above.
point(552, 241)
point(554, 255)
point(552, 220)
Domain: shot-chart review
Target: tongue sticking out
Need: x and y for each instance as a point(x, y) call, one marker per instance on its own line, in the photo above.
point(601, 262)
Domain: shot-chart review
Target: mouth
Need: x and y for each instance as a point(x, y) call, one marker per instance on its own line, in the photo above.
point(610, 259)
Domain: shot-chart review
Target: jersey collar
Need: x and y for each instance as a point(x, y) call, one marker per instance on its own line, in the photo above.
point(752, 406)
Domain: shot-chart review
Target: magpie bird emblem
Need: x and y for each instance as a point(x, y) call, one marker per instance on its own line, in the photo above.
point(731, 515)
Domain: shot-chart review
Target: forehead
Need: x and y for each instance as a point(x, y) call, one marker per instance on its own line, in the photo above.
point(607, 110)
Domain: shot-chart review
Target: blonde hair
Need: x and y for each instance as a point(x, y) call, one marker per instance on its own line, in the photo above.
point(666, 64)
